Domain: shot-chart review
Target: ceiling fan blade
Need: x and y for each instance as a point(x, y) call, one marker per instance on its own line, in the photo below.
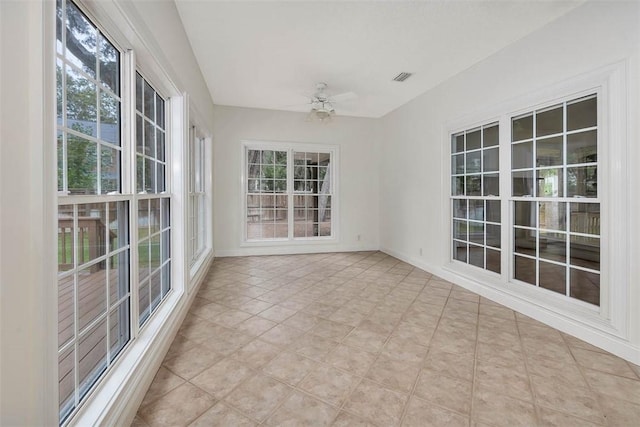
point(298, 104)
point(343, 97)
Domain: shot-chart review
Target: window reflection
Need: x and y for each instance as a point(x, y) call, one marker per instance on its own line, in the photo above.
point(476, 232)
point(476, 256)
point(522, 155)
point(525, 214)
point(490, 160)
point(582, 147)
point(585, 286)
point(473, 185)
point(490, 136)
point(582, 113)
point(493, 235)
point(525, 269)
point(549, 122)
point(522, 128)
point(476, 209)
point(473, 140)
point(553, 246)
point(475, 165)
point(549, 151)
point(493, 260)
point(459, 208)
point(491, 185)
point(553, 215)
point(493, 210)
point(473, 162)
point(522, 183)
point(550, 182)
point(459, 251)
point(585, 252)
point(553, 277)
point(585, 218)
point(525, 241)
point(582, 181)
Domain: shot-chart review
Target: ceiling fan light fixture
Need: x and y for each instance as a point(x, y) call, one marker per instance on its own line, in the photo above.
point(321, 111)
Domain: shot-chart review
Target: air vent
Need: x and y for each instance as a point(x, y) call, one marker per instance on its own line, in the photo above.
point(401, 77)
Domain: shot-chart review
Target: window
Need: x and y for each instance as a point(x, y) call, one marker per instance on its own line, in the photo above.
point(154, 224)
point(475, 203)
point(554, 203)
point(108, 217)
point(312, 194)
point(93, 219)
point(289, 192)
point(556, 210)
point(197, 197)
point(88, 106)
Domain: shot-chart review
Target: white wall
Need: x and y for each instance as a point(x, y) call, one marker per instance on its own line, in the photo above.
point(414, 186)
point(160, 24)
point(357, 181)
point(27, 276)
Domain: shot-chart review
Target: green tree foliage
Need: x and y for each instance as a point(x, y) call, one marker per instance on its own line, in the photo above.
point(79, 100)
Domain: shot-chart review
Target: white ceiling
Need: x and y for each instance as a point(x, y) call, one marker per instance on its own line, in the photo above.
point(268, 54)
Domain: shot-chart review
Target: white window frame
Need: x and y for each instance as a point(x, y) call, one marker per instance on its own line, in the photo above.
point(165, 264)
point(565, 199)
point(608, 84)
point(291, 147)
point(116, 391)
point(197, 217)
point(469, 198)
point(66, 199)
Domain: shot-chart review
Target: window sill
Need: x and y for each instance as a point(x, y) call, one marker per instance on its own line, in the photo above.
point(553, 304)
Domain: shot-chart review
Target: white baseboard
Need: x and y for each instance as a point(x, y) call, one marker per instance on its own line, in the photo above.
point(613, 344)
point(291, 250)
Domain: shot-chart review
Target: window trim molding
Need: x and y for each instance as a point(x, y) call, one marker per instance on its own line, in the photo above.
point(612, 317)
point(247, 144)
point(116, 396)
point(451, 197)
point(207, 255)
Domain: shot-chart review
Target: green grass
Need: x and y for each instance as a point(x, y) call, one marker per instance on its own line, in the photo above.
point(145, 257)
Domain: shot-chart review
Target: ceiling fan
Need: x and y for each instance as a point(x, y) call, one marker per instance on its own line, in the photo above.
point(322, 104)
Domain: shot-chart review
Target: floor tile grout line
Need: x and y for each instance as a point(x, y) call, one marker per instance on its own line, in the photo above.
point(534, 399)
point(295, 387)
point(364, 376)
point(475, 366)
point(594, 393)
point(417, 379)
point(296, 290)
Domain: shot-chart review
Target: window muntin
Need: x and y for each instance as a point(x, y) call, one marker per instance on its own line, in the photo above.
point(556, 222)
point(97, 199)
point(288, 193)
point(267, 213)
point(154, 225)
point(88, 106)
point(93, 235)
point(154, 256)
point(475, 206)
point(312, 194)
point(197, 197)
point(150, 139)
point(93, 294)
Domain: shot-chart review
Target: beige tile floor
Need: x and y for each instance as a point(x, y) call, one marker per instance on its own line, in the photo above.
point(359, 339)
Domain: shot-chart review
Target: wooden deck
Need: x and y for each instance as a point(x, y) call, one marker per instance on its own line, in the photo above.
point(92, 347)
